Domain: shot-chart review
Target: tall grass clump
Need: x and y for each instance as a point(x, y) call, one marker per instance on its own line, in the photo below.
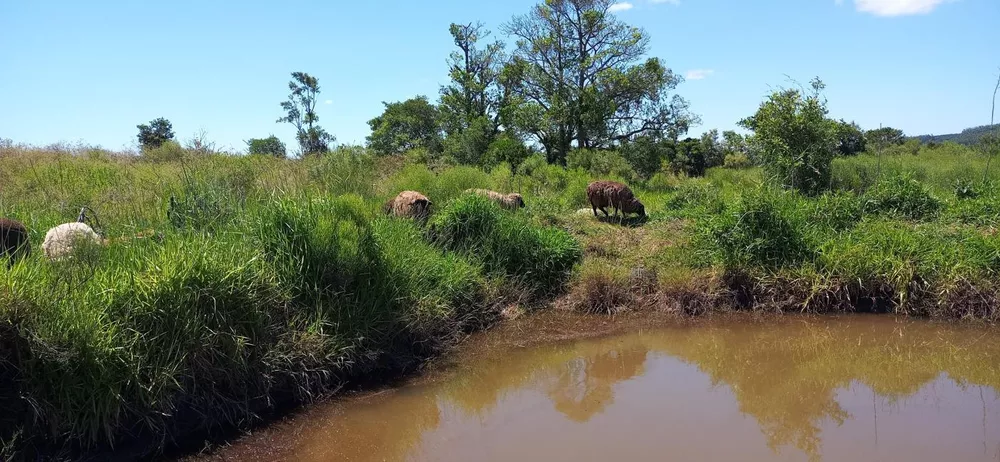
point(762, 229)
point(901, 196)
point(506, 244)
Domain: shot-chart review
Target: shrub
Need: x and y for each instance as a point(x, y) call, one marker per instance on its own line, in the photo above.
point(837, 211)
point(646, 155)
point(737, 161)
point(168, 151)
point(506, 148)
point(759, 230)
point(696, 195)
point(794, 138)
point(507, 245)
point(902, 196)
point(601, 164)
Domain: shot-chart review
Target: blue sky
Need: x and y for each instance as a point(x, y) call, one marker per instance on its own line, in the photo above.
point(91, 71)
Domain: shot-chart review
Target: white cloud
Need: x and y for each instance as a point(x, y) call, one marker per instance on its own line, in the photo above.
point(698, 74)
point(623, 6)
point(672, 2)
point(897, 7)
point(329, 101)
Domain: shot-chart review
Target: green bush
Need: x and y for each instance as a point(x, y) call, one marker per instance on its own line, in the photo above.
point(601, 164)
point(737, 161)
point(507, 245)
point(901, 196)
point(760, 230)
point(506, 149)
point(167, 151)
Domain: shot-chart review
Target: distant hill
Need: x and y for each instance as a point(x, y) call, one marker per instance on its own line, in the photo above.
point(968, 136)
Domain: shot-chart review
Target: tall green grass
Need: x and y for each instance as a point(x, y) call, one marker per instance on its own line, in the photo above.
point(269, 282)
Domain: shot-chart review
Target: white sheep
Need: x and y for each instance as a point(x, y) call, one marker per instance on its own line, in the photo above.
point(61, 240)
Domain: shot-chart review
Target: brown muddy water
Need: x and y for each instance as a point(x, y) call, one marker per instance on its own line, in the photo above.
point(852, 388)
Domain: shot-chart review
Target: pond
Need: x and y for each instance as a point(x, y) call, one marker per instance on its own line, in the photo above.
point(788, 389)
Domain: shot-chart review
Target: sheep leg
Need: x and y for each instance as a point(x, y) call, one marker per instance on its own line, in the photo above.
point(594, 208)
point(606, 214)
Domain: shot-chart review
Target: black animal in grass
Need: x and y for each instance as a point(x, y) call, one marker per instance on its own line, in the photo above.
point(14, 242)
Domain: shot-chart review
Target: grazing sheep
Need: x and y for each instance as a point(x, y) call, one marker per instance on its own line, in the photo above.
point(512, 201)
point(602, 194)
point(13, 240)
point(409, 204)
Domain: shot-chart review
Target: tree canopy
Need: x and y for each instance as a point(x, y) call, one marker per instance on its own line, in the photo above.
point(300, 111)
point(404, 126)
point(578, 77)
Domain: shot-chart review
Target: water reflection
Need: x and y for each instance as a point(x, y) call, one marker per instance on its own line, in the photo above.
point(853, 388)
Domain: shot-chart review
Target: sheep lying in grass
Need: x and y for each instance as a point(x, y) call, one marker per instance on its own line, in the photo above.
point(13, 240)
point(602, 194)
point(61, 240)
point(512, 201)
point(409, 204)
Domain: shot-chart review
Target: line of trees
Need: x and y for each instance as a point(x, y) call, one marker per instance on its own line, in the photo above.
point(578, 80)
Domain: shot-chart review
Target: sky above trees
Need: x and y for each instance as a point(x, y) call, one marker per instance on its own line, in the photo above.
point(73, 71)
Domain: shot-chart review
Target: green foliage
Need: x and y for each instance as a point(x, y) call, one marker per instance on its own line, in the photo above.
point(300, 111)
point(583, 80)
point(406, 125)
point(601, 163)
point(168, 151)
point(850, 138)
point(152, 136)
point(737, 161)
point(901, 196)
point(712, 149)
point(761, 229)
point(474, 99)
point(506, 149)
point(794, 138)
point(507, 245)
point(470, 146)
point(884, 137)
point(690, 158)
point(270, 146)
point(646, 154)
point(344, 170)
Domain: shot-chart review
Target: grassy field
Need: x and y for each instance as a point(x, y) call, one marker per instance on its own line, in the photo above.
point(274, 281)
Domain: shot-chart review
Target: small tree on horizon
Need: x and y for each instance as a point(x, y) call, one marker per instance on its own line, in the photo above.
point(301, 112)
point(152, 136)
point(270, 146)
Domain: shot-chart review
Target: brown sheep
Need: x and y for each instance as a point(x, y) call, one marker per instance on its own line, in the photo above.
point(13, 240)
point(512, 201)
point(409, 204)
point(602, 194)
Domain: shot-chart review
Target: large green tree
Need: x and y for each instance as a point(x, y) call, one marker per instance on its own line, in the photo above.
point(300, 111)
point(578, 78)
point(794, 138)
point(406, 125)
